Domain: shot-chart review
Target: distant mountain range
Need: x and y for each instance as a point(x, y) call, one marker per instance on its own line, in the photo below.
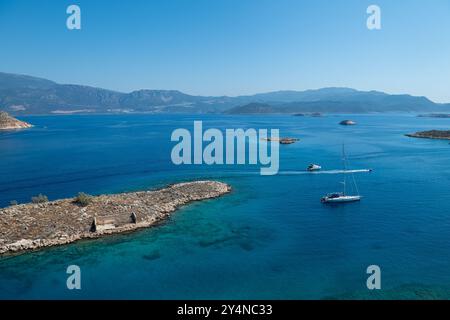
point(20, 95)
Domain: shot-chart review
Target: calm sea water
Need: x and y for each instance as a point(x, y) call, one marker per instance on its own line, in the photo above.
point(270, 238)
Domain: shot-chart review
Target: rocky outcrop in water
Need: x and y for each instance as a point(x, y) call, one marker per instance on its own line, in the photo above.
point(33, 226)
point(282, 140)
point(9, 123)
point(347, 123)
point(431, 134)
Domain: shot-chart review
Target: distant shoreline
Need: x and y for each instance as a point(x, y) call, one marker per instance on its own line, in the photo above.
point(28, 95)
point(435, 115)
point(34, 226)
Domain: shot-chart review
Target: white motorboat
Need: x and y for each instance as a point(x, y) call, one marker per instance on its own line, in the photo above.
point(314, 167)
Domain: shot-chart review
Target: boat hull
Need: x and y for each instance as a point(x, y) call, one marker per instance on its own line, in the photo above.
point(314, 167)
point(342, 199)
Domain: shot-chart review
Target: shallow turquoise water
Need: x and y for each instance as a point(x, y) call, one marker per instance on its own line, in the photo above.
point(270, 238)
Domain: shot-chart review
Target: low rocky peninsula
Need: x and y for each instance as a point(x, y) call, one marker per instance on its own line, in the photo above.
point(9, 123)
point(37, 225)
point(431, 134)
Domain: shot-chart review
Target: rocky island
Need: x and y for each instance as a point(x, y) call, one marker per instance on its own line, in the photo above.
point(37, 225)
point(431, 134)
point(282, 140)
point(9, 123)
point(347, 123)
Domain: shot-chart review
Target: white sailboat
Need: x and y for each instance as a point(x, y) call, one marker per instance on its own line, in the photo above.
point(341, 197)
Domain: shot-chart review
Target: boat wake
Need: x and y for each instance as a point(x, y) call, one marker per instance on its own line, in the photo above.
point(324, 172)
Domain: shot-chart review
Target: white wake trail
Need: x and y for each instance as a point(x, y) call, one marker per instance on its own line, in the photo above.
point(324, 172)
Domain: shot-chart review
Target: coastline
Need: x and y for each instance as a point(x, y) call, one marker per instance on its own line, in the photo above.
point(35, 226)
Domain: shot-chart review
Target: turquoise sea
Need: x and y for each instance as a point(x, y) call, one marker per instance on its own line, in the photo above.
point(270, 238)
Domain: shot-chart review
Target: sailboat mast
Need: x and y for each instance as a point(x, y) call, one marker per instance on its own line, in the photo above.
point(344, 165)
point(345, 171)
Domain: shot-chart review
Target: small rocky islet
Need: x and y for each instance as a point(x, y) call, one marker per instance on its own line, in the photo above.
point(37, 225)
point(10, 123)
point(282, 140)
point(347, 123)
point(431, 134)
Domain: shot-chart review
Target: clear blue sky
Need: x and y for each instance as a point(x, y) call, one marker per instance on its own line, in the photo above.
point(232, 47)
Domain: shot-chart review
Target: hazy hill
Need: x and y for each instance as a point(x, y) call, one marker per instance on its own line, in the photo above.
point(347, 102)
point(29, 95)
point(20, 94)
point(308, 95)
